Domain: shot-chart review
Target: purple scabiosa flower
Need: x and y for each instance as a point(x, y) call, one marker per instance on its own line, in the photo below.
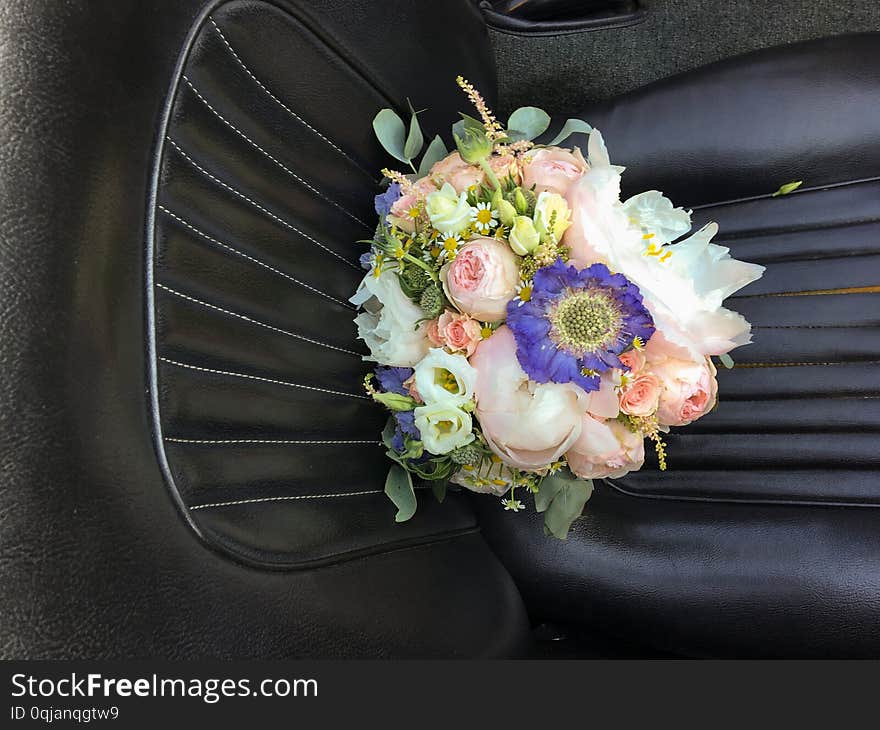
point(576, 324)
point(392, 379)
point(384, 201)
point(366, 260)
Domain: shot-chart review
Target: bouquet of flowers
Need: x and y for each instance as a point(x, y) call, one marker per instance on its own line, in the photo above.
point(531, 330)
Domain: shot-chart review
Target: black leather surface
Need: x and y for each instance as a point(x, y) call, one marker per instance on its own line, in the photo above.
point(762, 538)
point(95, 558)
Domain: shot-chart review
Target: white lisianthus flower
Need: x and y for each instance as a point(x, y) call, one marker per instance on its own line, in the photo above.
point(389, 323)
point(551, 207)
point(444, 426)
point(441, 376)
point(448, 210)
point(524, 237)
point(489, 477)
point(654, 213)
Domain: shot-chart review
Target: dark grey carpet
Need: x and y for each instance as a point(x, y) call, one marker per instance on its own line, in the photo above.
point(563, 73)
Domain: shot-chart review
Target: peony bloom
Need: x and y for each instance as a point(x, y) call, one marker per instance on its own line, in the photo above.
point(441, 376)
point(689, 390)
point(454, 170)
point(655, 214)
point(444, 426)
point(553, 169)
point(390, 323)
point(641, 395)
point(605, 450)
point(457, 332)
point(448, 210)
point(527, 424)
point(482, 279)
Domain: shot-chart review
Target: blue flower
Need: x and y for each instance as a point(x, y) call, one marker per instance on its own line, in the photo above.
point(576, 324)
point(384, 201)
point(392, 379)
point(366, 260)
point(406, 425)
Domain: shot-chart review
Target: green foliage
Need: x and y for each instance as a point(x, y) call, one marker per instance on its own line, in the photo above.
point(527, 122)
point(436, 151)
point(392, 135)
point(788, 188)
point(561, 498)
point(571, 126)
point(399, 488)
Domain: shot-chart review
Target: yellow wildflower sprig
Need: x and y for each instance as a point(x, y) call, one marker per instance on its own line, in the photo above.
point(406, 185)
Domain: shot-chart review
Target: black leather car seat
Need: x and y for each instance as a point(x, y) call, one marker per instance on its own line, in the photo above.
point(763, 538)
point(189, 468)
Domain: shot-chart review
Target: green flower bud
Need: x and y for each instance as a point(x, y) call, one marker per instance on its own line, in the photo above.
point(474, 145)
point(524, 237)
point(468, 455)
point(432, 301)
point(395, 402)
point(506, 211)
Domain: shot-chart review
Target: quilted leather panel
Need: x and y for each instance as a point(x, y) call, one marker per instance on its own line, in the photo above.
point(263, 188)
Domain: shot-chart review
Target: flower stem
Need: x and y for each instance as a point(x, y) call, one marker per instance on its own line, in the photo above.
point(490, 174)
point(421, 264)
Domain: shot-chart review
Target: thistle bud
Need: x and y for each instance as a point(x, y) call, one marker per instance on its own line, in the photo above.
point(468, 455)
point(431, 301)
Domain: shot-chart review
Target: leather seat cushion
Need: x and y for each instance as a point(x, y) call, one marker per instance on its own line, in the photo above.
point(758, 538)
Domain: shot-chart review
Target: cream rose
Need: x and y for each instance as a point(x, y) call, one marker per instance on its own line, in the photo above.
point(552, 207)
point(553, 169)
point(482, 279)
point(448, 210)
point(605, 449)
point(444, 426)
point(389, 325)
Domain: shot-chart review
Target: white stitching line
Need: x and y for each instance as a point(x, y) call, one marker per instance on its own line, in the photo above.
point(281, 103)
point(237, 252)
point(267, 154)
point(294, 442)
point(257, 205)
point(261, 379)
point(256, 322)
point(285, 499)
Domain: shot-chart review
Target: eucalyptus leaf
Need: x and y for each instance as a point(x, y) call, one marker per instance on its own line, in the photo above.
point(391, 133)
point(527, 122)
point(550, 486)
point(436, 151)
point(567, 506)
point(388, 432)
point(415, 139)
point(399, 488)
point(571, 126)
point(438, 486)
point(788, 188)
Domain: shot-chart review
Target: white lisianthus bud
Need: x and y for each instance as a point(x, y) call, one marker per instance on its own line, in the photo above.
point(441, 376)
point(449, 212)
point(524, 237)
point(444, 426)
point(552, 210)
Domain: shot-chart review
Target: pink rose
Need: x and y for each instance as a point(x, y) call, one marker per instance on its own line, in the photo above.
point(482, 279)
point(605, 449)
point(689, 390)
point(461, 175)
point(399, 214)
point(457, 332)
point(529, 425)
point(553, 169)
point(641, 396)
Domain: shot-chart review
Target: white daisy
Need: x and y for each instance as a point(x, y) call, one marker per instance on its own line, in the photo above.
point(484, 217)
